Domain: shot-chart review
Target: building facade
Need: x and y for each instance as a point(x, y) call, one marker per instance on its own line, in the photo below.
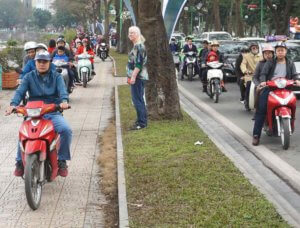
point(43, 4)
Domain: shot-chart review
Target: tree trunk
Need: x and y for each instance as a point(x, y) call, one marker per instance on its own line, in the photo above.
point(117, 4)
point(106, 22)
point(161, 91)
point(239, 21)
point(281, 19)
point(126, 44)
point(229, 27)
point(216, 12)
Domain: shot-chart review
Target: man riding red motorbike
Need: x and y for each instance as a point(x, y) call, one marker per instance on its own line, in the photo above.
point(280, 67)
point(47, 86)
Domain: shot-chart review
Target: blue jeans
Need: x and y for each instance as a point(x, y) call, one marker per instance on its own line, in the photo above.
point(61, 127)
point(261, 112)
point(137, 94)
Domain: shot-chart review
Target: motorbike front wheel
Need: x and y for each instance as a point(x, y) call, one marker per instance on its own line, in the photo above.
point(84, 79)
point(217, 90)
point(33, 188)
point(285, 133)
point(190, 73)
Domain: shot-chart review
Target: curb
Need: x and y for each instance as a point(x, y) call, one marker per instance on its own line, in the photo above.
point(114, 63)
point(123, 210)
point(285, 171)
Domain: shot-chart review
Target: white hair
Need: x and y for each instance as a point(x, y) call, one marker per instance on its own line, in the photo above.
point(137, 30)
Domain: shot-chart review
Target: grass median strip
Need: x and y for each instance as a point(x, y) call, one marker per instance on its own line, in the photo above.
point(121, 61)
point(173, 183)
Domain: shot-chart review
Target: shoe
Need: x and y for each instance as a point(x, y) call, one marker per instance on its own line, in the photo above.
point(19, 170)
point(78, 83)
point(62, 168)
point(204, 89)
point(255, 140)
point(224, 89)
point(242, 101)
point(136, 127)
point(93, 73)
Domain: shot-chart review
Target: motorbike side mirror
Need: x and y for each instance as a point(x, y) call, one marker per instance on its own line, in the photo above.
point(59, 70)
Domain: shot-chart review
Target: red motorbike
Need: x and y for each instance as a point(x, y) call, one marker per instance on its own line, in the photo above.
point(39, 145)
point(281, 110)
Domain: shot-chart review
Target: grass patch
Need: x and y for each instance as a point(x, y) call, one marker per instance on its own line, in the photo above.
point(121, 62)
point(173, 183)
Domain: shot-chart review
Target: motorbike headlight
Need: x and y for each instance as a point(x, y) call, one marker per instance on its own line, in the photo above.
point(34, 112)
point(280, 83)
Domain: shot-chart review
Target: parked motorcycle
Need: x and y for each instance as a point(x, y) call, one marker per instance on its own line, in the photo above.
point(191, 62)
point(84, 68)
point(214, 80)
point(176, 60)
point(39, 145)
point(280, 118)
point(62, 68)
point(102, 51)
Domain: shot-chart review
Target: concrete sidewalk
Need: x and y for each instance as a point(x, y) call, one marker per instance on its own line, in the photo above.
point(75, 201)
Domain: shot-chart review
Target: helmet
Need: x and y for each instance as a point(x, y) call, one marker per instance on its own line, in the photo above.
point(30, 45)
point(41, 45)
point(43, 55)
point(253, 44)
point(268, 47)
point(173, 39)
point(281, 44)
point(61, 36)
point(60, 40)
point(85, 40)
point(205, 41)
point(214, 43)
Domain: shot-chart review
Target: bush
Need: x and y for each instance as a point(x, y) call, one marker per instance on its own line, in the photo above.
point(12, 43)
point(11, 58)
point(69, 35)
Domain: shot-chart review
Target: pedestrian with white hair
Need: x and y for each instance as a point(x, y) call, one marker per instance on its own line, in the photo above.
point(137, 75)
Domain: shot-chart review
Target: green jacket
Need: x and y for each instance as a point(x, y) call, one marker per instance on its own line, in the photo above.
point(137, 58)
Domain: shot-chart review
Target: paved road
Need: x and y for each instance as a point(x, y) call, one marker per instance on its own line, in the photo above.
point(74, 201)
point(232, 109)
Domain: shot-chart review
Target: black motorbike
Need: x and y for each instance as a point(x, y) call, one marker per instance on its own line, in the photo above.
point(102, 51)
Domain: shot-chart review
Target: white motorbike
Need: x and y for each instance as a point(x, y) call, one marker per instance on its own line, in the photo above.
point(176, 60)
point(214, 80)
point(62, 68)
point(84, 68)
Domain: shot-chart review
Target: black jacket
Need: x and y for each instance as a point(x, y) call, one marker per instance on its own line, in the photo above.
point(187, 49)
point(267, 72)
point(257, 73)
point(238, 62)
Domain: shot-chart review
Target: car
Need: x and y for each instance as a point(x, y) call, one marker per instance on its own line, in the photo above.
point(253, 39)
point(231, 50)
point(178, 36)
point(215, 36)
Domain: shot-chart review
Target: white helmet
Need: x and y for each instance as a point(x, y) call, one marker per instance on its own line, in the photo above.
point(41, 45)
point(30, 45)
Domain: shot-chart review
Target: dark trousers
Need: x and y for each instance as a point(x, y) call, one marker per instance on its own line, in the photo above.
point(261, 112)
point(242, 89)
point(247, 92)
point(137, 94)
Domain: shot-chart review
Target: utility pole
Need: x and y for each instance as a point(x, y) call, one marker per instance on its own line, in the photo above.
point(261, 16)
point(121, 22)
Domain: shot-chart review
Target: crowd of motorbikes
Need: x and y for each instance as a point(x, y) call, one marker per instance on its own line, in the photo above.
point(38, 140)
point(281, 104)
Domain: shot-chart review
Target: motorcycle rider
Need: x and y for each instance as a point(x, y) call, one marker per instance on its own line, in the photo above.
point(218, 56)
point(173, 46)
point(29, 48)
point(280, 66)
point(248, 65)
point(239, 74)
point(187, 48)
point(48, 86)
point(88, 50)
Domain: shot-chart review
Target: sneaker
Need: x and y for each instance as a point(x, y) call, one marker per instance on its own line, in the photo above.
point(78, 83)
point(242, 101)
point(136, 127)
point(62, 168)
point(19, 170)
point(224, 89)
point(255, 140)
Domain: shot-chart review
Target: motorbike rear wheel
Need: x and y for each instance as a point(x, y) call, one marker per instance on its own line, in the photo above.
point(84, 79)
point(33, 188)
point(285, 133)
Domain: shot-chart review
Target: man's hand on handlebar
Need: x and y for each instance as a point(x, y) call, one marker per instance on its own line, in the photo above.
point(297, 83)
point(64, 105)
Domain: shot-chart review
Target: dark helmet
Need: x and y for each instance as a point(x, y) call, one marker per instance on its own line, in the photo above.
point(43, 55)
point(253, 44)
point(61, 36)
point(205, 42)
point(60, 40)
point(280, 44)
point(173, 39)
